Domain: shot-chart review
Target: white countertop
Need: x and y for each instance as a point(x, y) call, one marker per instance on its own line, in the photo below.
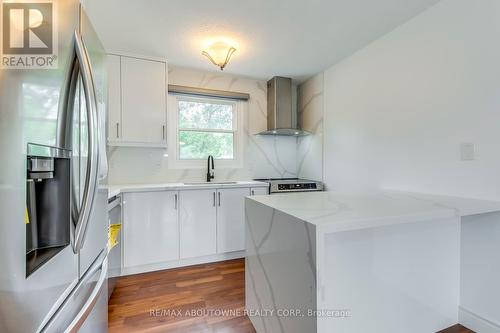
point(121, 188)
point(350, 211)
point(113, 191)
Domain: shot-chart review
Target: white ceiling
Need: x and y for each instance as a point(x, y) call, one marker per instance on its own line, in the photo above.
point(275, 37)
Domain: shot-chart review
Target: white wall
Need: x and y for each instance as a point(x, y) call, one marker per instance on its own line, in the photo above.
point(398, 110)
point(264, 156)
point(480, 273)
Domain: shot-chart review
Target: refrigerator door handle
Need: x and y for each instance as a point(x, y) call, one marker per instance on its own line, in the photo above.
point(87, 308)
point(91, 179)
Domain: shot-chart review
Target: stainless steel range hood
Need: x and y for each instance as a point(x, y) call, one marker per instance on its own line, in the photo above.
point(281, 119)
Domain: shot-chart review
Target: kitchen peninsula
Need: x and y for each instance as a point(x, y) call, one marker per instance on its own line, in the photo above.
point(379, 262)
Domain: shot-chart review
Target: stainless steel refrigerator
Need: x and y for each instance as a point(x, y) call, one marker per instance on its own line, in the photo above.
point(53, 210)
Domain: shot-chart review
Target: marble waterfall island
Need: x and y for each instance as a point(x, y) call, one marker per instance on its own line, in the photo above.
point(380, 262)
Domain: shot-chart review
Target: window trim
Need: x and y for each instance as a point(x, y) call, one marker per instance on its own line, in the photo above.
point(173, 133)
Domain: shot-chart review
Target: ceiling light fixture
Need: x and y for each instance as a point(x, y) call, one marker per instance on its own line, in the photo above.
point(219, 53)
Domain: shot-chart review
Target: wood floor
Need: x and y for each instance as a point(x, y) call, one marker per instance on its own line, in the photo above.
point(456, 329)
point(141, 303)
point(187, 300)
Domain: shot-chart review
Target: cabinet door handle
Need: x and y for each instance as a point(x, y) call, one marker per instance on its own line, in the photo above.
point(117, 130)
point(163, 132)
point(253, 192)
point(219, 197)
point(176, 200)
point(214, 199)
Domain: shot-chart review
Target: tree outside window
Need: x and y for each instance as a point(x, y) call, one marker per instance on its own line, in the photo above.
point(206, 127)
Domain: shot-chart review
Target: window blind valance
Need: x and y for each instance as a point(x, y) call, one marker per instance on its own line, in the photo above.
point(176, 89)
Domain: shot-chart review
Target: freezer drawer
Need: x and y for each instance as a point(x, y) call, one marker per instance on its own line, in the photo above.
point(97, 320)
point(86, 306)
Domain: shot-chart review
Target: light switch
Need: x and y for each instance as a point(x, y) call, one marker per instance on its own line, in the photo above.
point(467, 151)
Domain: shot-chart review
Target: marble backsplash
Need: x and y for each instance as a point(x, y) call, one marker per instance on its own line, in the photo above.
point(310, 115)
point(264, 156)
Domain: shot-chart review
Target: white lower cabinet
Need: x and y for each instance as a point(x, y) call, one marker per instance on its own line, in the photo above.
point(150, 227)
point(258, 191)
point(166, 226)
point(231, 219)
point(198, 228)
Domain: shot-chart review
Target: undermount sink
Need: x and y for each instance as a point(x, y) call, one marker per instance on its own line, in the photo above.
point(211, 183)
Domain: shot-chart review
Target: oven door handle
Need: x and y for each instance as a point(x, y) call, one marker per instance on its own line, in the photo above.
point(114, 203)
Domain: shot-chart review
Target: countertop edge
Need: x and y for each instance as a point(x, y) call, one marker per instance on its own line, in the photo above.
point(115, 190)
point(446, 207)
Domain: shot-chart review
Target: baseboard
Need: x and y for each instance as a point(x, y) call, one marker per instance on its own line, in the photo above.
point(181, 263)
point(476, 323)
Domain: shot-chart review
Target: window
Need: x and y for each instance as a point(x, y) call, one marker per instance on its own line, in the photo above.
point(203, 127)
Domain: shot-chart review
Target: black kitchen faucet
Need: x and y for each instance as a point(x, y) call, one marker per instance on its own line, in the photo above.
point(210, 172)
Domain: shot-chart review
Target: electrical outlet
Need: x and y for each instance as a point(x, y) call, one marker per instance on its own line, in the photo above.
point(467, 151)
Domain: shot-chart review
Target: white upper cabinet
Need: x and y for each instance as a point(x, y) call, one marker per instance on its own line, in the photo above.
point(137, 113)
point(231, 219)
point(144, 100)
point(114, 98)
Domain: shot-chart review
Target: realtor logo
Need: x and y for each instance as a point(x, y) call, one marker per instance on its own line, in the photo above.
point(29, 39)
